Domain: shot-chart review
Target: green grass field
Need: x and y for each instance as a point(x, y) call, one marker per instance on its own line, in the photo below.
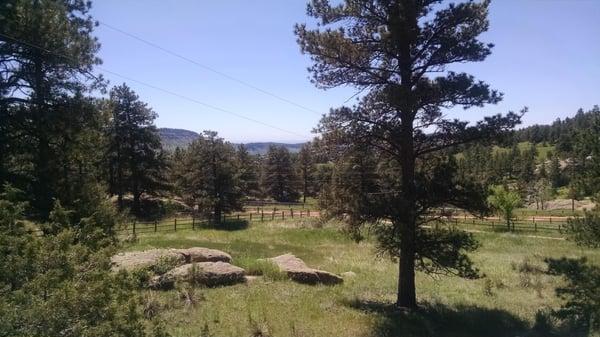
point(541, 149)
point(503, 303)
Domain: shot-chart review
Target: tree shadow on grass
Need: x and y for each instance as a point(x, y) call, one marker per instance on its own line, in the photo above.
point(442, 321)
point(228, 225)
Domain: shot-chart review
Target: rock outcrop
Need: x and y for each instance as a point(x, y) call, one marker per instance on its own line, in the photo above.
point(200, 254)
point(144, 259)
point(149, 258)
point(210, 274)
point(298, 271)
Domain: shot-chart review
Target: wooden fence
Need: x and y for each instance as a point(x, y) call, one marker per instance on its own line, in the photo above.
point(231, 221)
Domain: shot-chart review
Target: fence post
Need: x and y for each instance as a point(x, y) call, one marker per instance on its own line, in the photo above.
point(175, 224)
point(238, 216)
point(535, 226)
point(292, 213)
point(193, 223)
point(250, 217)
point(282, 215)
point(273, 215)
point(133, 227)
point(262, 215)
point(155, 225)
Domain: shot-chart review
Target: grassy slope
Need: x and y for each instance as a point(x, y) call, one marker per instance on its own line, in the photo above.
point(542, 150)
point(361, 306)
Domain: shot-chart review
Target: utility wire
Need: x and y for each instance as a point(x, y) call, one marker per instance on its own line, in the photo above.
point(203, 66)
point(155, 87)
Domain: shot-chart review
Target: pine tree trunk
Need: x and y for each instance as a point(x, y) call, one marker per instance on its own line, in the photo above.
point(42, 189)
point(406, 274)
point(407, 297)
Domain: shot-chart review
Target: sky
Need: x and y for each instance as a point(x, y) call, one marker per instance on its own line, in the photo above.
point(546, 57)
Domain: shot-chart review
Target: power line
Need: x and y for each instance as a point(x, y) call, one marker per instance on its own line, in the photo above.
point(156, 87)
point(203, 66)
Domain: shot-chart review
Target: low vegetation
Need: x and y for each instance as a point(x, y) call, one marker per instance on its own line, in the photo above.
point(511, 298)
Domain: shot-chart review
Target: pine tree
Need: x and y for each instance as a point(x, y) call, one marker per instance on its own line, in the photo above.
point(280, 180)
point(555, 173)
point(248, 172)
point(211, 179)
point(47, 53)
point(136, 161)
point(306, 170)
point(388, 51)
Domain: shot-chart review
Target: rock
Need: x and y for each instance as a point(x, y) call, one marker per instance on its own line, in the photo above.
point(210, 274)
point(199, 254)
point(298, 271)
point(348, 274)
point(148, 258)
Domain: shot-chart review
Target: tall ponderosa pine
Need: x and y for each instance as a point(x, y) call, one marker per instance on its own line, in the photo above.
point(248, 172)
point(136, 162)
point(47, 54)
point(210, 181)
point(306, 168)
point(388, 49)
point(280, 180)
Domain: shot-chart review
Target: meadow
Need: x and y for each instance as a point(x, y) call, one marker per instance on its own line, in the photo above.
point(513, 288)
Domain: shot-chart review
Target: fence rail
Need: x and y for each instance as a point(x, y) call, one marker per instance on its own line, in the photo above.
point(189, 221)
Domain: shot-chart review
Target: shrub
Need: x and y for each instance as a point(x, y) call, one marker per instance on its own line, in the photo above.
point(261, 267)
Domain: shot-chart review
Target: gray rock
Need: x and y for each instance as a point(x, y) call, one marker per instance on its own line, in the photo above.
point(149, 258)
point(210, 274)
point(200, 254)
point(298, 271)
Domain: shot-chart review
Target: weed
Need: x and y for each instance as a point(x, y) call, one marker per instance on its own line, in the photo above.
point(165, 263)
point(261, 267)
point(488, 287)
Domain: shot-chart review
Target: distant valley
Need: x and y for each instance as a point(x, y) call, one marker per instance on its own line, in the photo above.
point(173, 138)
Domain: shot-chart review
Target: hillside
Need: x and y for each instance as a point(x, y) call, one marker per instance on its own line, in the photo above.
point(173, 138)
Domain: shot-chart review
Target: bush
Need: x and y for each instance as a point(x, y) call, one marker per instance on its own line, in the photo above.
point(581, 293)
point(261, 267)
point(60, 285)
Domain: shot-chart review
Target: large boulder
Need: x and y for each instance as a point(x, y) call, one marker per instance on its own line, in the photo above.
point(145, 259)
point(298, 271)
point(199, 254)
point(210, 274)
point(150, 258)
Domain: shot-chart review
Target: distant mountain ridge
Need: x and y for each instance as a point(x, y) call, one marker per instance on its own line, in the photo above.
point(173, 138)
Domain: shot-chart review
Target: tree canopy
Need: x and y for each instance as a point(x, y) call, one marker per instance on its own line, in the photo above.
point(397, 53)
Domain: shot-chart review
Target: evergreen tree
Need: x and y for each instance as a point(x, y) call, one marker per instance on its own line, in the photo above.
point(280, 181)
point(555, 173)
point(47, 54)
point(306, 170)
point(587, 153)
point(248, 172)
point(211, 179)
point(136, 161)
point(388, 50)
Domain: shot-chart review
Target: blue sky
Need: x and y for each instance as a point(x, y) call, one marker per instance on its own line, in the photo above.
point(547, 57)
